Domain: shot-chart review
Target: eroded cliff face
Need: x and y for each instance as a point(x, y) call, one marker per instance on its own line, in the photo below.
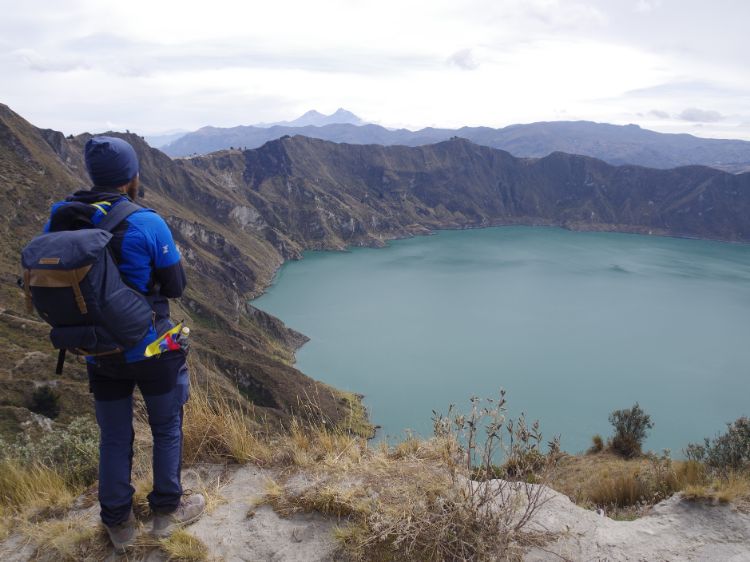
point(238, 215)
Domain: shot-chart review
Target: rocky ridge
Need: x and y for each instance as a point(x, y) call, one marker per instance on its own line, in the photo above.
point(615, 144)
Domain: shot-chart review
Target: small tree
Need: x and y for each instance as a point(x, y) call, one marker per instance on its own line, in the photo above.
point(630, 426)
point(45, 401)
point(726, 453)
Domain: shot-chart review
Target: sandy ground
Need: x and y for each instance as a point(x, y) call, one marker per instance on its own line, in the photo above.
point(236, 529)
point(674, 530)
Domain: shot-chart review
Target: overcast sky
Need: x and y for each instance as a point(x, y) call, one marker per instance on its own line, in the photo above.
point(158, 65)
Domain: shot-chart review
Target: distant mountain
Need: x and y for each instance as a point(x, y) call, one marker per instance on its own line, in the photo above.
point(316, 119)
point(312, 118)
point(616, 144)
point(163, 139)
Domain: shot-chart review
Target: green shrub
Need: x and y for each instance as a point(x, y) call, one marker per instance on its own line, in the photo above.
point(631, 426)
point(45, 401)
point(525, 465)
point(72, 451)
point(626, 446)
point(725, 453)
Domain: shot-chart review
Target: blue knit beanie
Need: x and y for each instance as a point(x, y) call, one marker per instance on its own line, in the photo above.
point(111, 162)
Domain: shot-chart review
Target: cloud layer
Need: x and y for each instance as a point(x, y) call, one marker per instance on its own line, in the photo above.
point(87, 65)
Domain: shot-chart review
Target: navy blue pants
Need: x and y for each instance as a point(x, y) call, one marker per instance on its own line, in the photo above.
point(164, 384)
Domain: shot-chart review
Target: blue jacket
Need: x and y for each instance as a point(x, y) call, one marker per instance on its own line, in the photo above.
point(143, 248)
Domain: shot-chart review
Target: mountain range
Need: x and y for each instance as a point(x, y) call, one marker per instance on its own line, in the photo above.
point(237, 215)
point(311, 118)
point(616, 144)
point(316, 119)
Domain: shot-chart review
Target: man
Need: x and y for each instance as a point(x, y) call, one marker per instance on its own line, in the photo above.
point(148, 260)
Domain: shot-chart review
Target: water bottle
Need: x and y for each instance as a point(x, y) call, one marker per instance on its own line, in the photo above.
point(181, 338)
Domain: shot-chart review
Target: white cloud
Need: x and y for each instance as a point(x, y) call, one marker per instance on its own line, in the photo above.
point(154, 66)
point(697, 115)
point(464, 59)
point(659, 114)
point(39, 63)
point(646, 6)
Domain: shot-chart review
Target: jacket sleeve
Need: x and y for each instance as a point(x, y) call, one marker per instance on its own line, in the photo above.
point(171, 279)
point(166, 259)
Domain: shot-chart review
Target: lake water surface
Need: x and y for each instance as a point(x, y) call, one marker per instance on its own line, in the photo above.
point(573, 325)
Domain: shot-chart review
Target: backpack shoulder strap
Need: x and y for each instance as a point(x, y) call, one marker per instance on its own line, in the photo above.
point(119, 213)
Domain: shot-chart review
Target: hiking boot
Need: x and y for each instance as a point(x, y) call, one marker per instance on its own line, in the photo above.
point(123, 534)
point(189, 511)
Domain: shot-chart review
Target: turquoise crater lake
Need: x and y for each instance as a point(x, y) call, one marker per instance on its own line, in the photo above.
point(573, 325)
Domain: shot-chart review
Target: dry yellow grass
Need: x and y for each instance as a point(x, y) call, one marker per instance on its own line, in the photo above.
point(415, 500)
point(217, 428)
point(211, 491)
point(407, 501)
point(411, 500)
point(6, 523)
point(614, 483)
point(735, 488)
point(274, 492)
point(79, 539)
point(142, 487)
point(356, 421)
point(33, 487)
point(305, 445)
point(184, 547)
point(30, 492)
point(71, 539)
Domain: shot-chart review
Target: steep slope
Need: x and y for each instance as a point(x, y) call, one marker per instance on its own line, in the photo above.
point(615, 144)
point(226, 265)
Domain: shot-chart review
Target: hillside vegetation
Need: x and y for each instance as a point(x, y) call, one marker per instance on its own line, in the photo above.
point(435, 499)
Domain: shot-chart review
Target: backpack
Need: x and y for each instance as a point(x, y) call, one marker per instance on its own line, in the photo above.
point(73, 282)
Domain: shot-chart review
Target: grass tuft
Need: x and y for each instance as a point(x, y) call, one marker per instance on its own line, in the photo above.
point(184, 547)
point(32, 487)
point(624, 488)
point(418, 499)
point(72, 539)
point(733, 488)
point(217, 429)
point(597, 445)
